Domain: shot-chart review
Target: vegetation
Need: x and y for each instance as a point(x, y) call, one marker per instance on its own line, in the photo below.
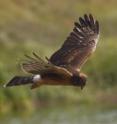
point(42, 26)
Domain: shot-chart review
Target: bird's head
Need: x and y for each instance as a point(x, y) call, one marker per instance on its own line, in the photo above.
point(79, 80)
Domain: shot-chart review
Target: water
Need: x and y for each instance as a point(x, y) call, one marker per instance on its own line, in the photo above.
point(70, 114)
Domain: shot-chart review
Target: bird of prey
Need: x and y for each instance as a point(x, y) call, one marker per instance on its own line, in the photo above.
point(64, 66)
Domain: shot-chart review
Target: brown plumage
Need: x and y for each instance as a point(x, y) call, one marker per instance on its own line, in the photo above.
point(79, 45)
point(63, 67)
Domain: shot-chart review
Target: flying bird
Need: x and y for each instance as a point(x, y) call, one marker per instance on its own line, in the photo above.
point(64, 66)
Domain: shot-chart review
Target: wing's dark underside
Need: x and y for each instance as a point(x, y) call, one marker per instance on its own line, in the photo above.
point(79, 44)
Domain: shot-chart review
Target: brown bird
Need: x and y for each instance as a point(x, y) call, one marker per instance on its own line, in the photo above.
point(63, 67)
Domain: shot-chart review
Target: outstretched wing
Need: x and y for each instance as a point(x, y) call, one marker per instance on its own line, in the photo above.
point(79, 45)
point(36, 65)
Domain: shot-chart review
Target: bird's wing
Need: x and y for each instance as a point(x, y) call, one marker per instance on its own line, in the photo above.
point(79, 44)
point(36, 65)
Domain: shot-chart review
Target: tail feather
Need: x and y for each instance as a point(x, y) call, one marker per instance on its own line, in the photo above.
point(19, 80)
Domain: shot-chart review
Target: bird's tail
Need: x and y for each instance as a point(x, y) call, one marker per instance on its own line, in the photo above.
point(19, 80)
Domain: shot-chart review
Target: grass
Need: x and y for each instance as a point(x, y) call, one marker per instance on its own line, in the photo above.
point(42, 26)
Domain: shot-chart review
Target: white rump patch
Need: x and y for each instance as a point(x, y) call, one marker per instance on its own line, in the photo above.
point(36, 78)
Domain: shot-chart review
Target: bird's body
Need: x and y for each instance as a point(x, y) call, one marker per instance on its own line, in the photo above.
point(63, 67)
point(53, 79)
point(60, 79)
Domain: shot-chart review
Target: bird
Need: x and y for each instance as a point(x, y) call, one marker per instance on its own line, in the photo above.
point(64, 66)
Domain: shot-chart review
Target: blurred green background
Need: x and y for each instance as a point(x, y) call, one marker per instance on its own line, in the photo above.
point(42, 26)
